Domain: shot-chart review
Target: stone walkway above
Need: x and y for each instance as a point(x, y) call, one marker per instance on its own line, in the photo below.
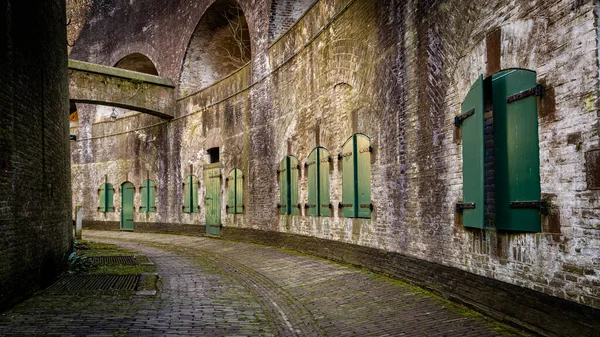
point(219, 288)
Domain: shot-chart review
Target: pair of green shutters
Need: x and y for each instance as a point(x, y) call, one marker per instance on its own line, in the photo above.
point(288, 186)
point(105, 198)
point(356, 180)
point(191, 203)
point(148, 191)
point(235, 192)
point(516, 151)
point(318, 182)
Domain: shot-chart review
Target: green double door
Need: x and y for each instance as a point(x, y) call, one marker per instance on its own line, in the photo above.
point(127, 208)
point(212, 178)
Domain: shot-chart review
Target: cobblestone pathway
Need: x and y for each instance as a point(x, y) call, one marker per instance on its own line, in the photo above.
point(220, 288)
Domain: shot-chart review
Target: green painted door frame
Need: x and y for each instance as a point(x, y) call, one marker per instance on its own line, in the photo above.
point(127, 208)
point(212, 177)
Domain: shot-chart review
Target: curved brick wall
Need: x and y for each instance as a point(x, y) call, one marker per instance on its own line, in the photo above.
point(398, 72)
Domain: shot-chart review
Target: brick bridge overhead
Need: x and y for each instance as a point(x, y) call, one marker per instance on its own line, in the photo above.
point(96, 84)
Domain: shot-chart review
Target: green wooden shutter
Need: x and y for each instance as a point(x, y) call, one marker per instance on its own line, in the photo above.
point(362, 177)
point(150, 196)
point(473, 155)
point(516, 143)
point(186, 194)
point(323, 177)
point(312, 166)
point(110, 192)
point(148, 192)
point(235, 192)
point(144, 197)
point(190, 194)
point(283, 186)
point(348, 178)
point(102, 198)
point(293, 183)
point(194, 199)
point(239, 191)
point(231, 192)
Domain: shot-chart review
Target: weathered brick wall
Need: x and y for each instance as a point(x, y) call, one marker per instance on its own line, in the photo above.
point(35, 188)
point(284, 14)
point(398, 72)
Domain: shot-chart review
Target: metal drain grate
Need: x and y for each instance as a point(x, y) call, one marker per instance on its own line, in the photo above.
point(114, 260)
point(81, 283)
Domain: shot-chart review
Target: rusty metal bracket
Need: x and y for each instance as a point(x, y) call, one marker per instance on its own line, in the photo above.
point(538, 91)
point(340, 205)
point(540, 205)
point(461, 206)
point(458, 120)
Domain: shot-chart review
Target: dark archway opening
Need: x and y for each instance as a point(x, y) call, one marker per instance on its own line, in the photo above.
point(219, 46)
point(137, 62)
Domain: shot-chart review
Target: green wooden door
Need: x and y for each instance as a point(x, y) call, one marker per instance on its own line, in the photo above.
point(127, 195)
point(516, 146)
point(473, 155)
point(213, 199)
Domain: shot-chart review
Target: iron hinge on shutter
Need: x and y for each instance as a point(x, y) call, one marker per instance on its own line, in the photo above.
point(461, 206)
point(340, 205)
point(307, 206)
point(540, 205)
point(538, 91)
point(369, 206)
point(366, 149)
point(458, 120)
point(342, 155)
point(327, 205)
point(307, 164)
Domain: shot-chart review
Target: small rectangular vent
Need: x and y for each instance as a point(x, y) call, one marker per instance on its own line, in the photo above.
point(83, 283)
point(114, 260)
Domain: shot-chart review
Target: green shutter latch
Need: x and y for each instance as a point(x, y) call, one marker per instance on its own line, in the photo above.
point(460, 206)
point(540, 205)
point(538, 91)
point(458, 120)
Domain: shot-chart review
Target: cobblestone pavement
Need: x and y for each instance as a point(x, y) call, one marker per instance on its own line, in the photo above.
point(219, 288)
